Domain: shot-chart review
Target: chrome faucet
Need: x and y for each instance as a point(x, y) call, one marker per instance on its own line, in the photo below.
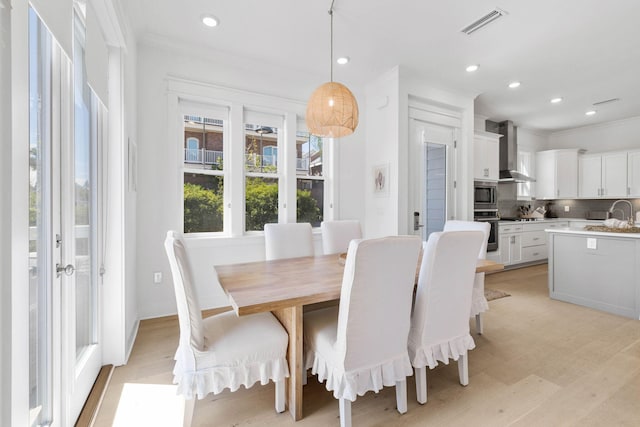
point(612, 208)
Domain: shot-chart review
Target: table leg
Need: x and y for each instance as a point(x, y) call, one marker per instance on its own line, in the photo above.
point(291, 319)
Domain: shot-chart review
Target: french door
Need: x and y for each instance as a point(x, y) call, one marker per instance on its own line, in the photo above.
point(64, 129)
point(433, 149)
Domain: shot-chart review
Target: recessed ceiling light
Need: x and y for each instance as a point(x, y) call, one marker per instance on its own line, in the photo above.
point(472, 68)
point(343, 60)
point(210, 20)
point(590, 113)
point(556, 100)
point(514, 85)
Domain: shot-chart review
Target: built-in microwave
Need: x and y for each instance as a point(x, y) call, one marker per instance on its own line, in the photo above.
point(485, 195)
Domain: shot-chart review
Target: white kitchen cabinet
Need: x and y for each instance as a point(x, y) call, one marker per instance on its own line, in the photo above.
point(486, 153)
point(633, 173)
point(509, 243)
point(510, 249)
point(602, 175)
point(557, 174)
point(525, 243)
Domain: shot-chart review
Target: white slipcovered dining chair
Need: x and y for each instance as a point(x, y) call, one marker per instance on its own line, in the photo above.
point(479, 302)
point(361, 345)
point(288, 240)
point(336, 235)
point(224, 350)
point(440, 318)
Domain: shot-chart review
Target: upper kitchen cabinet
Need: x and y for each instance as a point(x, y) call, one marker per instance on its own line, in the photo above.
point(602, 175)
point(486, 153)
point(557, 174)
point(633, 173)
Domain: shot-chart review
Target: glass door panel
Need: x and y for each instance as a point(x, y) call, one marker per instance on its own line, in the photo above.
point(40, 224)
point(436, 187)
point(81, 210)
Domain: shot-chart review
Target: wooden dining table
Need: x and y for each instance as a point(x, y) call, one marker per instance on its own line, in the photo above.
point(284, 287)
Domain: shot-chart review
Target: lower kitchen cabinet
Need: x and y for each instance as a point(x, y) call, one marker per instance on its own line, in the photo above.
point(510, 249)
point(523, 243)
point(534, 245)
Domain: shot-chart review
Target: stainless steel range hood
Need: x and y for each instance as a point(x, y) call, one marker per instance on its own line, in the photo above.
point(509, 154)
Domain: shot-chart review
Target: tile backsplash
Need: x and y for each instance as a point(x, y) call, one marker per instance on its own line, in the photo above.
point(578, 208)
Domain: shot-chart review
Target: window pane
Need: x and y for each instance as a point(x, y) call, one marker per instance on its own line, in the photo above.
point(203, 143)
point(261, 202)
point(309, 154)
point(40, 224)
point(203, 203)
point(310, 201)
point(261, 149)
point(83, 198)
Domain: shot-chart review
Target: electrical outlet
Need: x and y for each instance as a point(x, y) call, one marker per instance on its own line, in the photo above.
point(157, 277)
point(566, 208)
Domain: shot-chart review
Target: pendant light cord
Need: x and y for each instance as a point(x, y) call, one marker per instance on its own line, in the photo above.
point(331, 35)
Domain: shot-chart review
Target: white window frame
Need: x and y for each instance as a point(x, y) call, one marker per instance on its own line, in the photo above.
point(239, 103)
point(327, 168)
point(212, 111)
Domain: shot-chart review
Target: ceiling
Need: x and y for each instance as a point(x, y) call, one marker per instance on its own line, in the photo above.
point(584, 51)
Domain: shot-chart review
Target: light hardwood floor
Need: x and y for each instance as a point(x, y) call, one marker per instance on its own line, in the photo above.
point(539, 363)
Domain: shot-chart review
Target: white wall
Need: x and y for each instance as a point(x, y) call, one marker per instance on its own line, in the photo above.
point(617, 135)
point(382, 148)
point(158, 202)
point(130, 226)
point(532, 140)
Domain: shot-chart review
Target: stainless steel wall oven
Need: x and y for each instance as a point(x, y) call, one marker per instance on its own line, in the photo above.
point(485, 209)
point(490, 216)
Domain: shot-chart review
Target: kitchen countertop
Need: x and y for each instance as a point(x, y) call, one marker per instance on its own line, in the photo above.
point(582, 231)
point(548, 220)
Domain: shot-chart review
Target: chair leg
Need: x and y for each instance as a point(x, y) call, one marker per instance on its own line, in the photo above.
point(345, 412)
point(401, 396)
point(479, 323)
point(280, 389)
point(421, 385)
point(463, 369)
point(189, 409)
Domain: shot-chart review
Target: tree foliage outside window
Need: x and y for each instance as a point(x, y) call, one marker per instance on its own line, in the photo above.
point(203, 207)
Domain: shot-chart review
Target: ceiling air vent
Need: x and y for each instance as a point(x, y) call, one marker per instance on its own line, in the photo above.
point(607, 101)
point(484, 21)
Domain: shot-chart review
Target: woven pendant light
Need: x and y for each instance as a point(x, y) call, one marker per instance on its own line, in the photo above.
point(332, 110)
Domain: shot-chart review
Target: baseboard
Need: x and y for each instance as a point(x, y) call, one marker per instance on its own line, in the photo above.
point(131, 341)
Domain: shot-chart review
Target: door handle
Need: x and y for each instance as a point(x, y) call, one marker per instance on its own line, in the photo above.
point(416, 221)
point(69, 269)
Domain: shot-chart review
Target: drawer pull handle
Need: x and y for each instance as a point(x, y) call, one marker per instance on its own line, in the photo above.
point(536, 254)
point(536, 238)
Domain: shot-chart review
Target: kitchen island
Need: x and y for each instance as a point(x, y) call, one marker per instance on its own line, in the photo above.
point(595, 269)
